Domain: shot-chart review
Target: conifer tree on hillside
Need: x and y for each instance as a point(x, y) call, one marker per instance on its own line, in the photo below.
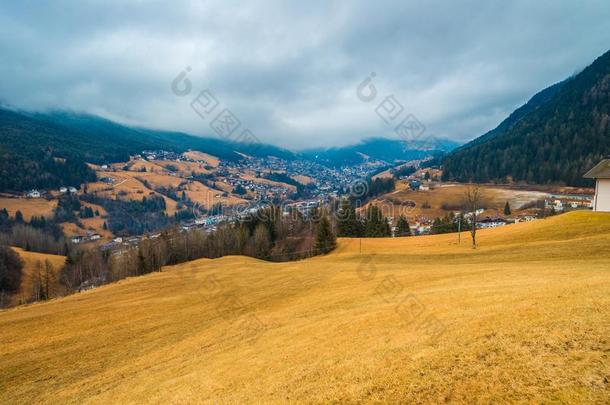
point(325, 238)
point(507, 209)
point(376, 224)
point(402, 226)
point(348, 223)
point(142, 265)
point(11, 266)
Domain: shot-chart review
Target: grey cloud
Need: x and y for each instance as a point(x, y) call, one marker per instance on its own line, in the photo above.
point(290, 70)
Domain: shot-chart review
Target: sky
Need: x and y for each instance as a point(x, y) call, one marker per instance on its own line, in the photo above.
point(293, 72)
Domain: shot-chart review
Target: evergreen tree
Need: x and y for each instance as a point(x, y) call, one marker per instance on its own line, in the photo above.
point(325, 238)
point(402, 226)
point(142, 265)
point(348, 223)
point(19, 217)
point(11, 266)
point(240, 190)
point(376, 225)
point(507, 209)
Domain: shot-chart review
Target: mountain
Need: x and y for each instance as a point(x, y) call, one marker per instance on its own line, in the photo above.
point(46, 150)
point(555, 137)
point(388, 150)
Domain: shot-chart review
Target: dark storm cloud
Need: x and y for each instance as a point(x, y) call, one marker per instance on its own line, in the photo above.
point(290, 71)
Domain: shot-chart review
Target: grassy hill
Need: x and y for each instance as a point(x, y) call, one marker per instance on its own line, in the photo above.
point(522, 318)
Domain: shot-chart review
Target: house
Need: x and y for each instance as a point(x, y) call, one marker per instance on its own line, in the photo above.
point(72, 190)
point(490, 222)
point(63, 190)
point(33, 194)
point(601, 174)
point(557, 205)
point(477, 213)
point(415, 185)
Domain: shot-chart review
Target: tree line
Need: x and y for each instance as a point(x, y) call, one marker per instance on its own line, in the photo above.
point(266, 234)
point(370, 223)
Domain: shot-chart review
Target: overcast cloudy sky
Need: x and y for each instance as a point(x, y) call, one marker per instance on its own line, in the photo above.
point(290, 71)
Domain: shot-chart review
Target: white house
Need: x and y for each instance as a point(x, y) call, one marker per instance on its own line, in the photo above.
point(601, 174)
point(33, 194)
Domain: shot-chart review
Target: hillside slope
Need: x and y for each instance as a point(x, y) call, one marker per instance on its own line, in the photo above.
point(47, 150)
point(30, 277)
point(524, 318)
point(556, 137)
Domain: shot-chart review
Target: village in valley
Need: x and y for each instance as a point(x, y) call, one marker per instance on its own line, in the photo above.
point(202, 192)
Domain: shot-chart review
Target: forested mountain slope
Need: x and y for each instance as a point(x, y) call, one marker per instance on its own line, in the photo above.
point(555, 138)
point(47, 150)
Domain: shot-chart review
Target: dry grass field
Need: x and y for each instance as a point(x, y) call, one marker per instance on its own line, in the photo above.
point(248, 175)
point(28, 277)
point(203, 157)
point(452, 195)
point(302, 179)
point(184, 169)
point(28, 206)
point(95, 224)
point(207, 196)
point(127, 186)
point(523, 318)
point(134, 184)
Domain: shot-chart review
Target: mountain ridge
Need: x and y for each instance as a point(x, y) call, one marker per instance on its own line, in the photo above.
point(378, 148)
point(553, 139)
point(42, 150)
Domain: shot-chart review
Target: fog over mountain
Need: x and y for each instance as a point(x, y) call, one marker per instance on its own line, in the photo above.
point(290, 72)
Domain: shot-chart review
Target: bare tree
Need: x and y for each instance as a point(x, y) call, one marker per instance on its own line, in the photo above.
point(37, 283)
point(49, 278)
point(473, 197)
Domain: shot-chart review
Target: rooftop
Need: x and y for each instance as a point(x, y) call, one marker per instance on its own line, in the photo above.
point(601, 171)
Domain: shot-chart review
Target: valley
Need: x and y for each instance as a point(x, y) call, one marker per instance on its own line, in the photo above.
point(304, 203)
